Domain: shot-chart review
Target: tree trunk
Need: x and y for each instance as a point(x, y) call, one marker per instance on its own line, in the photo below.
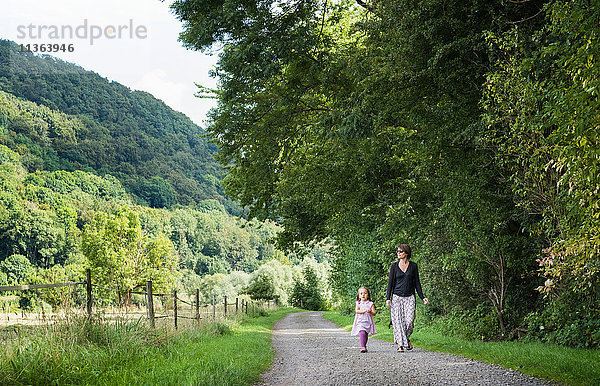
point(498, 303)
point(497, 293)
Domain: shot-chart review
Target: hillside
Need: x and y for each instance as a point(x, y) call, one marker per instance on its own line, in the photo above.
point(63, 117)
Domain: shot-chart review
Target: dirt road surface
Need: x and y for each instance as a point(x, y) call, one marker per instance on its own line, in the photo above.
point(310, 350)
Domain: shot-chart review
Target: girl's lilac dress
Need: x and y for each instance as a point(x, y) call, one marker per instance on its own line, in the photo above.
point(363, 321)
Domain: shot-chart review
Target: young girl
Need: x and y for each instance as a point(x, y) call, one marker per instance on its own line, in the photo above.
point(363, 320)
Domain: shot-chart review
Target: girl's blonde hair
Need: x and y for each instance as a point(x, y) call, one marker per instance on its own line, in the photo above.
point(368, 294)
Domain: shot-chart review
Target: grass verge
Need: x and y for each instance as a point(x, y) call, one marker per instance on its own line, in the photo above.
point(556, 363)
point(224, 353)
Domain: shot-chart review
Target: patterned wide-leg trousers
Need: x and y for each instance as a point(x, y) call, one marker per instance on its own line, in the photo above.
point(403, 317)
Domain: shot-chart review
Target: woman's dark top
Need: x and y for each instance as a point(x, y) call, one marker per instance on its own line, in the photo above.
point(404, 283)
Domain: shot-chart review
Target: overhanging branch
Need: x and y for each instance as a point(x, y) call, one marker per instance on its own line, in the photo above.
point(366, 6)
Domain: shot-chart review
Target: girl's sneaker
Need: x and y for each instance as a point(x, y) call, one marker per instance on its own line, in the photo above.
point(364, 349)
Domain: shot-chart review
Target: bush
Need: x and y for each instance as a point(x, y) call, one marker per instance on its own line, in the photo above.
point(306, 293)
point(554, 324)
point(261, 287)
point(477, 324)
point(17, 269)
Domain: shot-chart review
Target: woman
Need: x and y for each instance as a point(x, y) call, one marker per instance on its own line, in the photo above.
point(402, 283)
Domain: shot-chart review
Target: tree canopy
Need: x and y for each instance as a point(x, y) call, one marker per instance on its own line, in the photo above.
point(437, 124)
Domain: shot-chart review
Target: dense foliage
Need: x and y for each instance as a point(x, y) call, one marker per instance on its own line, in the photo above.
point(53, 225)
point(81, 121)
point(94, 175)
point(306, 292)
point(542, 107)
point(466, 129)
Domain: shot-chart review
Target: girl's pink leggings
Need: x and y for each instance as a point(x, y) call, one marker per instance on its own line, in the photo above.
point(364, 337)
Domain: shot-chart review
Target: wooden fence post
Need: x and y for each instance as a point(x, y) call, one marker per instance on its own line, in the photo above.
point(225, 306)
point(198, 305)
point(236, 305)
point(150, 303)
point(175, 307)
point(88, 290)
point(213, 304)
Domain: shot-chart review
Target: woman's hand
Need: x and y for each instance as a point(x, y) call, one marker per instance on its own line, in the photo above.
point(388, 303)
point(426, 301)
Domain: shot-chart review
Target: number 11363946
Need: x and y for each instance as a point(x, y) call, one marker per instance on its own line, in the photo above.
point(46, 48)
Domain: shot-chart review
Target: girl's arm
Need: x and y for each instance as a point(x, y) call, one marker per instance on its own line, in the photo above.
point(372, 310)
point(359, 311)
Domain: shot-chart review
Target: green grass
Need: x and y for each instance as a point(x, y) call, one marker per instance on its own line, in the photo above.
point(556, 363)
point(224, 353)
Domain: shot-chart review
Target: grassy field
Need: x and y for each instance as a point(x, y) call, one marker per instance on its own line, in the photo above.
point(233, 352)
point(556, 363)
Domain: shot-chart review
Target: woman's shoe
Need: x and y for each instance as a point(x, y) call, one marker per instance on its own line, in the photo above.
point(410, 346)
point(400, 349)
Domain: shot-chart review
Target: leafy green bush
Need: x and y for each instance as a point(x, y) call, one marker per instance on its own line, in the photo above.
point(306, 292)
point(17, 268)
point(477, 324)
point(261, 287)
point(555, 324)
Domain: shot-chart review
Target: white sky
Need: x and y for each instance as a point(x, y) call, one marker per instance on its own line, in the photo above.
point(157, 63)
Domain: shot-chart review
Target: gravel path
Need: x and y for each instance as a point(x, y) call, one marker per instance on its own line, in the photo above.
point(310, 350)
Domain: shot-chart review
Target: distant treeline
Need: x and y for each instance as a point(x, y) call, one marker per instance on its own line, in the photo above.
point(54, 224)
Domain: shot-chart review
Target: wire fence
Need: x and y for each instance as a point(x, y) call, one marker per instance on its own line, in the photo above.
point(172, 308)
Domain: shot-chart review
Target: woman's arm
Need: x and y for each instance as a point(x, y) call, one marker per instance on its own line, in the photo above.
point(390, 287)
point(418, 286)
point(391, 282)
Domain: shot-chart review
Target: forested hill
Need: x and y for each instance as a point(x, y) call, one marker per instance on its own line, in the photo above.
point(81, 121)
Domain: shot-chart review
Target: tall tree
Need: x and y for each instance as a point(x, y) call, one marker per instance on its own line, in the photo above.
point(542, 106)
point(121, 255)
point(361, 121)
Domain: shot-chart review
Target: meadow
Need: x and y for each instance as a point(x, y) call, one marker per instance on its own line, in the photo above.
point(232, 351)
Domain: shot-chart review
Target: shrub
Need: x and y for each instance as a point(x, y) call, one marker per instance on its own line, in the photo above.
point(580, 328)
point(261, 287)
point(306, 293)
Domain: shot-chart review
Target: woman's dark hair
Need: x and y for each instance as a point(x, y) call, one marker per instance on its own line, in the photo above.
point(406, 250)
point(368, 294)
